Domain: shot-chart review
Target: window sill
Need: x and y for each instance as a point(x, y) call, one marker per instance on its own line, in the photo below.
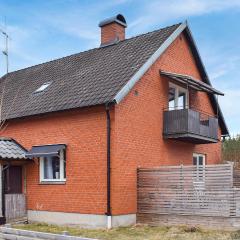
point(52, 182)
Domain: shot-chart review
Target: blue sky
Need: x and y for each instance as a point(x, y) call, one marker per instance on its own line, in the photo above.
point(42, 30)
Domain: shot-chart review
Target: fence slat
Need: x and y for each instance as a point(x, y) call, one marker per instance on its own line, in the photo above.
point(209, 191)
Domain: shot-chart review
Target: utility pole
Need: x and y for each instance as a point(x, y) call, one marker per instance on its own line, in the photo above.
point(5, 51)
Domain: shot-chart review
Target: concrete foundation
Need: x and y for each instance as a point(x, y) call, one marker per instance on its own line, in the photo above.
point(83, 220)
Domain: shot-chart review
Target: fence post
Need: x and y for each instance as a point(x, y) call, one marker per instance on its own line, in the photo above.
point(233, 204)
point(181, 184)
point(232, 173)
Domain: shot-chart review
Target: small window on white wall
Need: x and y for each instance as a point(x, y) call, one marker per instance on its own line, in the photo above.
point(53, 168)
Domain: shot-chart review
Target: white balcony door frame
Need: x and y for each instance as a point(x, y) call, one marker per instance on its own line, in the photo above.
point(176, 97)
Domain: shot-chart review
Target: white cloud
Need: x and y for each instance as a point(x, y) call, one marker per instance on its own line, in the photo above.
point(230, 108)
point(158, 12)
point(229, 102)
point(222, 68)
point(78, 20)
point(19, 48)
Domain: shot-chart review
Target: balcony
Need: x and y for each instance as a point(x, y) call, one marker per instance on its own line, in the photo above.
point(190, 126)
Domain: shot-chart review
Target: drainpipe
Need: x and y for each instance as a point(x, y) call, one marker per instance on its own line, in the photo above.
point(3, 193)
point(109, 211)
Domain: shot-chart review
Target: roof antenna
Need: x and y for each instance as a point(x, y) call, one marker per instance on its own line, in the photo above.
point(5, 51)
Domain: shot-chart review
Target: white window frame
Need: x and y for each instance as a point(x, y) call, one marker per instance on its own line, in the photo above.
point(43, 87)
point(61, 169)
point(200, 178)
point(197, 155)
point(176, 97)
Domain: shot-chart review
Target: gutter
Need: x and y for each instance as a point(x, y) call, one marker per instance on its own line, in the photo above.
point(109, 210)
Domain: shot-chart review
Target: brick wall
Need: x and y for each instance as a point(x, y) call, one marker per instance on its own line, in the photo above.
point(137, 140)
point(84, 132)
point(139, 124)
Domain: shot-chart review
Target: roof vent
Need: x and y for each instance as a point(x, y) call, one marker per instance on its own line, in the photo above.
point(112, 30)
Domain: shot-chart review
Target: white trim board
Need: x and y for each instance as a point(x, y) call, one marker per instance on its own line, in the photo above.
point(130, 84)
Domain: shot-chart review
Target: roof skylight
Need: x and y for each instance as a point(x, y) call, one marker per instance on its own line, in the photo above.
point(43, 87)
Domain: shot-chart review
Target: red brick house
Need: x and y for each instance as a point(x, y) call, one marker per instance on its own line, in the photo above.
point(77, 128)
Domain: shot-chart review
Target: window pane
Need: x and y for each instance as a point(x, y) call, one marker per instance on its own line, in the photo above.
point(43, 87)
point(51, 167)
point(171, 98)
point(182, 100)
point(64, 170)
point(194, 160)
point(200, 160)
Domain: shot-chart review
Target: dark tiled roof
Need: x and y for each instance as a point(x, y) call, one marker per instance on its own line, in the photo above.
point(9, 149)
point(84, 79)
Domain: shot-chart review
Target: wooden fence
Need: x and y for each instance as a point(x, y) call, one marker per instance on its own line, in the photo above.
point(236, 177)
point(198, 192)
point(15, 206)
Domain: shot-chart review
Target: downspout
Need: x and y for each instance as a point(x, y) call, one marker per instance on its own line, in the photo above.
point(109, 210)
point(3, 194)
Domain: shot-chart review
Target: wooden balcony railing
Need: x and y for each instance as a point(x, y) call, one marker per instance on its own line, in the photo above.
point(190, 125)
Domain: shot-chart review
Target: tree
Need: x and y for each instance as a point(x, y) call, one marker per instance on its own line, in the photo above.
point(231, 149)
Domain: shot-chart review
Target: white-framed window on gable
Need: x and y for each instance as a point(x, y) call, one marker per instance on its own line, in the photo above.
point(53, 168)
point(178, 97)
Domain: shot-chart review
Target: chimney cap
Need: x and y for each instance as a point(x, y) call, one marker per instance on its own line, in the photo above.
point(120, 19)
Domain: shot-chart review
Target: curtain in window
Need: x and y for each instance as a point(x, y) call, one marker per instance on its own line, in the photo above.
point(48, 168)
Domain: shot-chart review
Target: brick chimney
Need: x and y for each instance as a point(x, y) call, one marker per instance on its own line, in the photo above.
point(112, 30)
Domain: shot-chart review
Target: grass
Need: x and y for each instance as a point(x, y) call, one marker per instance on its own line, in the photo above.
point(138, 232)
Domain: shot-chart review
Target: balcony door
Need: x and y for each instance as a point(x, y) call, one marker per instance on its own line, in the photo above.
point(177, 97)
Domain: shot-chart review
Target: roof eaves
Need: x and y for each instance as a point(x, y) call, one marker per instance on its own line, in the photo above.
point(130, 84)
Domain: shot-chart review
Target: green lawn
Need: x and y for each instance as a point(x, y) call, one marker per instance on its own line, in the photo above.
point(138, 232)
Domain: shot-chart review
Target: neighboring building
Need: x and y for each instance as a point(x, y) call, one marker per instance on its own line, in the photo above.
point(89, 120)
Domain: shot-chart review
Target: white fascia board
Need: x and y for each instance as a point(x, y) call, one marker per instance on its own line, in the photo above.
point(126, 89)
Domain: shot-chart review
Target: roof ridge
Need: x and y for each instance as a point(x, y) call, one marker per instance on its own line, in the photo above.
point(88, 50)
point(156, 30)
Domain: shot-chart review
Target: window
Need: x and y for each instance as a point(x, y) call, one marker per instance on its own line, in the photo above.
point(177, 97)
point(171, 98)
point(53, 168)
point(199, 161)
point(43, 87)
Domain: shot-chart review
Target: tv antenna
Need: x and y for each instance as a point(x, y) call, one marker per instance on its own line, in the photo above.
point(5, 52)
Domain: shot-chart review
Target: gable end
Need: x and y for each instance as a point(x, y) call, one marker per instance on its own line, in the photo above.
point(183, 28)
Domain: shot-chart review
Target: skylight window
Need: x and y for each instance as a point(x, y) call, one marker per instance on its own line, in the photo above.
point(43, 87)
